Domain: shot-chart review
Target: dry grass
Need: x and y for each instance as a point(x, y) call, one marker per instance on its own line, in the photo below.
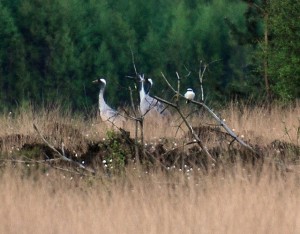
point(264, 126)
point(257, 124)
point(234, 202)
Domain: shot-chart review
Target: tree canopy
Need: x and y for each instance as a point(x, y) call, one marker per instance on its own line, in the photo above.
point(51, 50)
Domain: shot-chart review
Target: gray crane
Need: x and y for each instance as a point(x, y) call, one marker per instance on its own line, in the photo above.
point(149, 104)
point(108, 114)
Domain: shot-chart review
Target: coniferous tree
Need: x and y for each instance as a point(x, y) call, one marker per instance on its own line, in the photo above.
point(255, 35)
point(284, 53)
point(12, 60)
point(68, 43)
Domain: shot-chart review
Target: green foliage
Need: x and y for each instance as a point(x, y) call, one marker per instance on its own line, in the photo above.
point(51, 50)
point(11, 58)
point(115, 162)
point(284, 56)
point(249, 36)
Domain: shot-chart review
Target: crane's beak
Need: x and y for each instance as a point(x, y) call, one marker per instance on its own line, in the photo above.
point(141, 77)
point(96, 81)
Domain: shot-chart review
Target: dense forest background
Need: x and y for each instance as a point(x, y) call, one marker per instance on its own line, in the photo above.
point(51, 50)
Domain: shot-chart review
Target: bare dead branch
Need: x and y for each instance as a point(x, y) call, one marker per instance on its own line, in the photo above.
point(137, 121)
point(182, 122)
point(168, 83)
point(62, 156)
point(179, 147)
point(224, 125)
point(133, 62)
point(219, 120)
point(201, 74)
point(189, 72)
point(202, 70)
point(131, 100)
point(199, 142)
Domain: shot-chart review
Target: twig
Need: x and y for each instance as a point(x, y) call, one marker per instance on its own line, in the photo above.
point(224, 125)
point(199, 142)
point(149, 154)
point(170, 86)
point(45, 162)
point(137, 120)
point(187, 116)
point(201, 75)
point(133, 62)
point(221, 122)
point(62, 156)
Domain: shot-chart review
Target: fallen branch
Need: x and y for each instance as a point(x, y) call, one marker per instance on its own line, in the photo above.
point(61, 155)
point(224, 125)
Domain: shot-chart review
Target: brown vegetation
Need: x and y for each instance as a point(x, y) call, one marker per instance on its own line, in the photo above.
point(228, 202)
point(177, 190)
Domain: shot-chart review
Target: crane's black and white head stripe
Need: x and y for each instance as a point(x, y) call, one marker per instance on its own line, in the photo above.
point(150, 81)
point(103, 81)
point(148, 85)
point(100, 81)
point(147, 103)
point(145, 84)
point(190, 95)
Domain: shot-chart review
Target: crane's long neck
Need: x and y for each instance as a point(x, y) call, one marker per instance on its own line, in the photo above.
point(102, 103)
point(142, 91)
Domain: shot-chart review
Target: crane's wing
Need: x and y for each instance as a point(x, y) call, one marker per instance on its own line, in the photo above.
point(111, 115)
point(162, 109)
point(157, 105)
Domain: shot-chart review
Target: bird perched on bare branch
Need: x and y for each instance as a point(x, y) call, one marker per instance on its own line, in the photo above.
point(189, 95)
point(108, 114)
point(149, 104)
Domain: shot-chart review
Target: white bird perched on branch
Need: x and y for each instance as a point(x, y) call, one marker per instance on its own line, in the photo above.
point(149, 104)
point(108, 114)
point(189, 95)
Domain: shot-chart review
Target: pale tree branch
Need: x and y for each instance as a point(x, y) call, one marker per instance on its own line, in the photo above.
point(224, 125)
point(138, 118)
point(137, 121)
point(202, 71)
point(170, 86)
point(133, 62)
point(201, 74)
point(210, 111)
point(178, 88)
point(61, 155)
point(195, 136)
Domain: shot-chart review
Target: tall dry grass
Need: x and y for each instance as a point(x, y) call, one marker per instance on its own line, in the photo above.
point(257, 124)
point(234, 202)
point(56, 123)
point(264, 125)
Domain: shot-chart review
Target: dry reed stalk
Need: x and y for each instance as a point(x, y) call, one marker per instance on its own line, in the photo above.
point(236, 201)
point(257, 124)
point(262, 125)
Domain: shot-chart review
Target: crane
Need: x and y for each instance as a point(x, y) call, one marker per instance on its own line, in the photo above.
point(149, 104)
point(108, 114)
